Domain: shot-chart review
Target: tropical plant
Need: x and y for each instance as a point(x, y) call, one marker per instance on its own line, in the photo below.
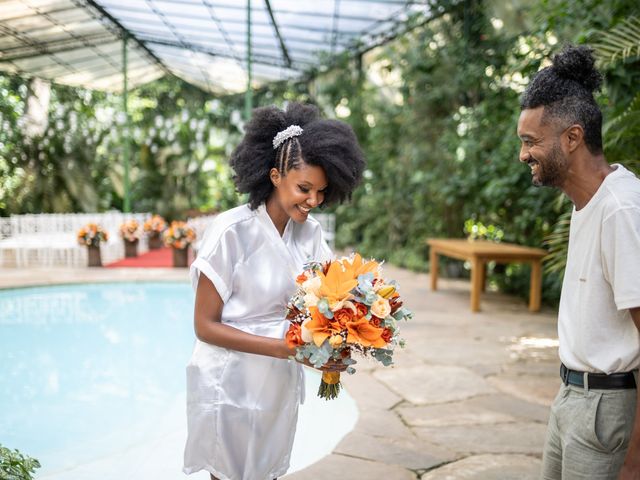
point(16, 466)
point(620, 43)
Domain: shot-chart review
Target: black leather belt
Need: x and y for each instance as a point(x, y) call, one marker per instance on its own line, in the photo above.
point(600, 381)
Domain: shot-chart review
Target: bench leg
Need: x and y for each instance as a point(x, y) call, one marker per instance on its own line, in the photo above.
point(433, 269)
point(477, 266)
point(535, 292)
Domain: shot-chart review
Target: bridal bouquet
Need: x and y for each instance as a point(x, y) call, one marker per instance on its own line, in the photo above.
point(343, 307)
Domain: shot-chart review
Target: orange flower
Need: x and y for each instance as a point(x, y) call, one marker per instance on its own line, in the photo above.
point(361, 309)
point(337, 284)
point(293, 338)
point(387, 334)
point(359, 267)
point(319, 326)
point(343, 316)
point(300, 279)
point(364, 333)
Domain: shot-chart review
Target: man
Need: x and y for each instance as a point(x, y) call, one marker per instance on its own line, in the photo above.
point(594, 426)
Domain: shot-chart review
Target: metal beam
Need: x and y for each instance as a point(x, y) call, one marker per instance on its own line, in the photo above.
point(28, 41)
point(334, 26)
point(83, 64)
point(49, 25)
point(22, 17)
point(223, 32)
point(283, 47)
point(132, 9)
point(177, 34)
point(237, 7)
point(232, 21)
point(61, 46)
point(265, 59)
point(92, 6)
point(53, 21)
point(125, 129)
point(248, 96)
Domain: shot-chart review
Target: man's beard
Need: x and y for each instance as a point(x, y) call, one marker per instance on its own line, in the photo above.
point(552, 172)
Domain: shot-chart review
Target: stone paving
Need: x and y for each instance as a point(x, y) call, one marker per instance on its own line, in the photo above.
point(468, 398)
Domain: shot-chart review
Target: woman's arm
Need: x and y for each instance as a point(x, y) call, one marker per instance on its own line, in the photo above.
point(209, 328)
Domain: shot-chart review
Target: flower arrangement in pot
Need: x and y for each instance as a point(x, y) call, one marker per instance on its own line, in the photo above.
point(179, 236)
point(154, 227)
point(130, 232)
point(92, 235)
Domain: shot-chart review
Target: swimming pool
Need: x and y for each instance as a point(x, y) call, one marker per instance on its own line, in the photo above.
point(92, 380)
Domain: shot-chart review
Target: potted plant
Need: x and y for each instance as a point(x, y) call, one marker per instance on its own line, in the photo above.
point(130, 233)
point(92, 235)
point(179, 236)
point(154, 227)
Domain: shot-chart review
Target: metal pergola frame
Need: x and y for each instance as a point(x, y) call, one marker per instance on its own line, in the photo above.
point(175, 37)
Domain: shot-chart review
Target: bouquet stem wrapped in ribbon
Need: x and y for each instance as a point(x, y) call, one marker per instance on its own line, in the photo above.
point(330, 385)
point(342, 307)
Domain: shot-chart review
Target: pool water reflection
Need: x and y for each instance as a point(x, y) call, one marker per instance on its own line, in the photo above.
point(93, 377)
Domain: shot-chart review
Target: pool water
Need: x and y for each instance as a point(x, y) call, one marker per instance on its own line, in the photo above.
point(93, 377)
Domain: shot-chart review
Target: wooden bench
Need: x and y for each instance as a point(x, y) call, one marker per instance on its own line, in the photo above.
point(478, 253)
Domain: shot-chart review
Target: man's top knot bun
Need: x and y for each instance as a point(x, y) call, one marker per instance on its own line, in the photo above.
point(578, 64)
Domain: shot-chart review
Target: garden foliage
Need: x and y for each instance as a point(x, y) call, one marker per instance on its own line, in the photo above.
point(435, 109)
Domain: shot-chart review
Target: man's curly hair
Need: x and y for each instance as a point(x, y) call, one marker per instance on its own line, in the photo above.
point(329, 144)
point(565, 90)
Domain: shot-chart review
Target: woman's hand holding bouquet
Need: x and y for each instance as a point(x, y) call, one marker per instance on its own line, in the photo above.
point(343, 307)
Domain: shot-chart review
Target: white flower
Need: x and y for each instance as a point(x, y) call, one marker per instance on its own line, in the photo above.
point(305, 333)
point(381, 308)
point(311, 300)
point(312, 285)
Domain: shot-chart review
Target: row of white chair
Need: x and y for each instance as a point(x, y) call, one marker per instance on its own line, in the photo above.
point(46, 240)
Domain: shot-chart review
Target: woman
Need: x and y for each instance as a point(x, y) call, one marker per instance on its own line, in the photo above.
point(243, 390)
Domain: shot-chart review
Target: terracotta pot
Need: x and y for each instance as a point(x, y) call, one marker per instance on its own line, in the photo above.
point(180, 257)
point(155, 241)
point(93, 258)
point(130, 248)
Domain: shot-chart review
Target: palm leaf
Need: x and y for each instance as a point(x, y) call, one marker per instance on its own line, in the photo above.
point(557, 243)
point(619, 43)
point(624, 125)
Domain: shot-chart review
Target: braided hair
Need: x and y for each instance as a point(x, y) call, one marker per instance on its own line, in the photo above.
point(565, 90)
point(329, 144)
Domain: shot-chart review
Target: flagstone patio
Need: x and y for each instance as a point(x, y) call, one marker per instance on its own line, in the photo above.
point(468, 397)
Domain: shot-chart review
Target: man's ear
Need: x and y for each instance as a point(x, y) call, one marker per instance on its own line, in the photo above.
point(275, 177)
point(574, 136)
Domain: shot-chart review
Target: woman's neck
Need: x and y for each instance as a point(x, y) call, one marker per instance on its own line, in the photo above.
point(277, 214)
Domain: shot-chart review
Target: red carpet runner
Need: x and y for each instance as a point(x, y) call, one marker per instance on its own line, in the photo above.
point(160, 258)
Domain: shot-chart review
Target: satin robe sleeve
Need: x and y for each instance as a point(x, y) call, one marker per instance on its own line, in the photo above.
point(217, 258)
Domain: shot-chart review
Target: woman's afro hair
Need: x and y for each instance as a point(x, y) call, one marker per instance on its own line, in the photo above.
point(329, 144)
point(565, 90)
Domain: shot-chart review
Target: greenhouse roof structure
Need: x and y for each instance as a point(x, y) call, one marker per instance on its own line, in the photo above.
point(204, 42)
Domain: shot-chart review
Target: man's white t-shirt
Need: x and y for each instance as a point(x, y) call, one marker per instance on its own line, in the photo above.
point(602, 280)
